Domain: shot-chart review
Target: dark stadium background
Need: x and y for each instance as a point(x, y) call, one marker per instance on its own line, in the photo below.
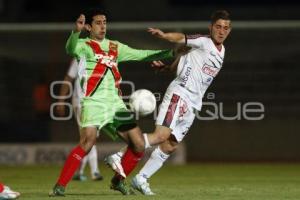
point(261, 65)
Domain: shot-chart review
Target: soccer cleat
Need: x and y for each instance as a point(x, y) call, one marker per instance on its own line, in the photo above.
point(79, 177)
point(141, 185)
point(121, 186)
point(97, 177)
point(57, 190)
point(7, 194)
point(114, 162)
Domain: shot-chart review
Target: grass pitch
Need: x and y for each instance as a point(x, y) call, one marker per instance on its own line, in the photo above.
point(196, 181)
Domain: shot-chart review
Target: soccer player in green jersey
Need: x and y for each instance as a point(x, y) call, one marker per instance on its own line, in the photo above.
point(102, 105)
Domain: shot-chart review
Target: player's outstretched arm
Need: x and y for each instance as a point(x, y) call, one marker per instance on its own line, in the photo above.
point(171, 37)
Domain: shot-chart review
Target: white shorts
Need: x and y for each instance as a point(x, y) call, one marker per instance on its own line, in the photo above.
point(177, 114)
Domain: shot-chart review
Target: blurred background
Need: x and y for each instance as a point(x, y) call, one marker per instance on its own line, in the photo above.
point(261, 65)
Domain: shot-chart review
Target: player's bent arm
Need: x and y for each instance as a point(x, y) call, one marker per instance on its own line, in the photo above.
point(127, 53)
point(72, 43)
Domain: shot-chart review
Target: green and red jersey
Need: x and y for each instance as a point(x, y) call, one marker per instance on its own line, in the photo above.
point(99, 74)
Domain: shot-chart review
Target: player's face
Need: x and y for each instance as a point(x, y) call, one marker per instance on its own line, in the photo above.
point(220, 30)
point(98, 27)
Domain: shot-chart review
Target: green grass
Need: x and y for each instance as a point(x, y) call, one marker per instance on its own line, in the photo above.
point(197, 181)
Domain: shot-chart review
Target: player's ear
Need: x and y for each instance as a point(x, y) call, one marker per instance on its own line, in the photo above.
point(230, 27)
point(88, 27)
point(209, 27)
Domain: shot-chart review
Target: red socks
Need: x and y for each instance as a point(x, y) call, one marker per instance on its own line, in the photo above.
point(71, 165)
point(130, 160)
point(1, 187)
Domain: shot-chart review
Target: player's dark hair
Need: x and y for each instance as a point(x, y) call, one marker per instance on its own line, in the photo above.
point(219, 14)
point(90, 13)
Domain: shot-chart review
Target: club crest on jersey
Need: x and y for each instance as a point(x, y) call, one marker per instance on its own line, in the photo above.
point(113, 46)
point(109, 61)
point(210, 70)
point(183, 108)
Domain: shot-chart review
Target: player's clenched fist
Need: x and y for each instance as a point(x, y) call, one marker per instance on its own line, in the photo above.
point(80, 22)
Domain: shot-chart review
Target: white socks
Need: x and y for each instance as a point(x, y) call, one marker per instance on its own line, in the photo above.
point(147, 144)
point(83, 164)
point(154, 163)
point(92, 158)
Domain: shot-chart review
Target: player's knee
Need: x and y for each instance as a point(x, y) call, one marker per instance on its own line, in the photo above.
point(161, 135)
point(87, 141)
point(87, 144)
point(170, 145)
point(139, 147)
point(169, 149)
point(173, 147)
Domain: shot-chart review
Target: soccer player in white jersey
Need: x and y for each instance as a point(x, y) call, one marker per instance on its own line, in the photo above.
point(196, 70)
point(92, 157)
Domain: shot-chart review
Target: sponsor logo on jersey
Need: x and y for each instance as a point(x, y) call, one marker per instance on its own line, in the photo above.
point(186, 74)
point(109, 61)
point(210, 70)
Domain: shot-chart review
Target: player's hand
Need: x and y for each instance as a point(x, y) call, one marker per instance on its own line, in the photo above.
point(156, 32)
point(159, 66)
point(60, 110)
point(80, 22)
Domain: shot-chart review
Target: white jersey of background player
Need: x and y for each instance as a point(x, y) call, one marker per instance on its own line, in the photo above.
point(92, 157)
point(195, 72)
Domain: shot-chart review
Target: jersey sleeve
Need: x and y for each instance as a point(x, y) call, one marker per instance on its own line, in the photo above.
point(127, 53)
point(73, 69)
point(73, 47)
point(195, 41)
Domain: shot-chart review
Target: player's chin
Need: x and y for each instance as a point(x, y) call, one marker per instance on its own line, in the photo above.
point(220, 40)
point(100, 37)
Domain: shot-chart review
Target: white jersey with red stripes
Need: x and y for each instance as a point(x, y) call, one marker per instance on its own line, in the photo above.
point(73, 72)
point(197, 69)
